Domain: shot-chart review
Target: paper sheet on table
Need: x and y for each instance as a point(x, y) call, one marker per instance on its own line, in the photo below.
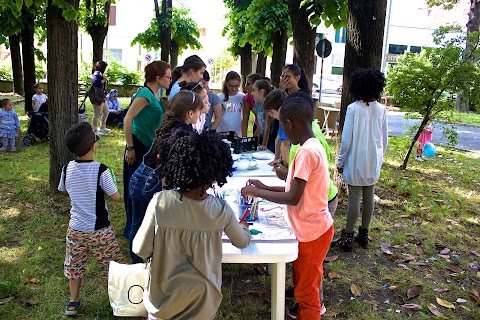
point(272, 219)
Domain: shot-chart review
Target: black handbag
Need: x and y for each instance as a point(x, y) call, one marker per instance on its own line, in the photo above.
point(96, 95)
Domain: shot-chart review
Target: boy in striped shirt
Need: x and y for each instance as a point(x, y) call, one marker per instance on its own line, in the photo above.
point(86, 181)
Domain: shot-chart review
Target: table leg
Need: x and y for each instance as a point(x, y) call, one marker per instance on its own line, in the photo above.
point(278, 290)
point(325, 116)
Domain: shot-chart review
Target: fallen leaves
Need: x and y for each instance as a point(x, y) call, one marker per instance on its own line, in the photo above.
point(356, 290)
point(333, 275)
point(433, 309)
point(454, 268)
point(414, 291)
point(445, 303)
point(331, 258)
point(412, 307)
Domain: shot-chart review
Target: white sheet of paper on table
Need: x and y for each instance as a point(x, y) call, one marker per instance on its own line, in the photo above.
point(272, 219)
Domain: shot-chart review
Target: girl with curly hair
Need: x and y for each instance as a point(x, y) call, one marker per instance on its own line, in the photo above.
point(364, 142)
point(183, 226)
point(183, 111)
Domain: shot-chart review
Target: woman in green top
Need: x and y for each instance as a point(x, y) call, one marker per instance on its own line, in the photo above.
point(140, 123)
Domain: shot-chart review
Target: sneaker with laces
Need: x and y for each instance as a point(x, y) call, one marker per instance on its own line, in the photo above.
point(293, 311)
point(99, 133)
point(106, 130)
point(3, 149)
point(13, 149)
point(418, 158)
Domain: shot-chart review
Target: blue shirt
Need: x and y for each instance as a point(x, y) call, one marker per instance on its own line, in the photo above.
point(281, 134)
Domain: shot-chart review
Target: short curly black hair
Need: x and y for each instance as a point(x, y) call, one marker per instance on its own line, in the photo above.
point(190, 160)
point(80, 138)
point(367, 84)
point(297, 109)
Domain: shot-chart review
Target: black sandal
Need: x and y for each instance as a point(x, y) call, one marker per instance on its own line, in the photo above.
point(74, 312)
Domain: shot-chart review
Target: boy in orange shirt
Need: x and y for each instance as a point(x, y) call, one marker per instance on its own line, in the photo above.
point(305, 194)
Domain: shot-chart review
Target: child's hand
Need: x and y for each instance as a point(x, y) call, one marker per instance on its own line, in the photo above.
point(256, 183)
point(281, 172)
point(249, 191)
point(245, 223)
point(262, 148)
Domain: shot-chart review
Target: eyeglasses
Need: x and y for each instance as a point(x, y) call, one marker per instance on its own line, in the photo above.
point(230, 86)
point(199, 84)
point(169, 77)
point(285, 76)
point(248, 83)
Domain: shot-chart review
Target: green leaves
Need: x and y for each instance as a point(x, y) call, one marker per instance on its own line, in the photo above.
point(184, 32)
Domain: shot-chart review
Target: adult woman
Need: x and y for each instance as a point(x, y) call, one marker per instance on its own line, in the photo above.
point(192, 71)
point(99, 80)
point(139, 125)
point(364, 142)
point(293, 79)
point(183, 111)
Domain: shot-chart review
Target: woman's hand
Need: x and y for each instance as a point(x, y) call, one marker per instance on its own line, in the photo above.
point(130, 156)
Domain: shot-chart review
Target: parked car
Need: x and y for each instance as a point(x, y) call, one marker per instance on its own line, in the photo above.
point(329, 85)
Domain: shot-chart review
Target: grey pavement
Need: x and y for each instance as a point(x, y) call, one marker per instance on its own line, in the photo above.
point(468, 135)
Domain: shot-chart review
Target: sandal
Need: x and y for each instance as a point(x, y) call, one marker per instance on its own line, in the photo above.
point(69, 311)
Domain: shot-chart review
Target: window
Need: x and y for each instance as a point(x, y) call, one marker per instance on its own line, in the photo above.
point(116, 54)
point(337, 70)
point(341, 35)
point(415, 49)
point(397, 48)
point(112, 18)
point(203, 32)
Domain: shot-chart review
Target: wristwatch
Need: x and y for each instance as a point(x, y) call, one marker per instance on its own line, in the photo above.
point(129, 148)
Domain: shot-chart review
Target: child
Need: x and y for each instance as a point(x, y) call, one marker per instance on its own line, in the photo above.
point(89, 229)
point(39, 97)
point(184, 110)
point(232, 104)
point(191, 71)
point(425, 137)
point(305, 195)
point(114, 110)
point(260, 89)
point(199, 89)
point(215, 104)
point(100, 110)
point(9, 125)
point(273, 104)
point(249, 102)
point(183, 226)
point(364, 142)
point(293, 79)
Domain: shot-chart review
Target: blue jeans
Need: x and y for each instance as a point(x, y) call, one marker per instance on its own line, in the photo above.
point(144, 183)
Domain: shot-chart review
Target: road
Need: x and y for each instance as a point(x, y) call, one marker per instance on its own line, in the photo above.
point(468, 136)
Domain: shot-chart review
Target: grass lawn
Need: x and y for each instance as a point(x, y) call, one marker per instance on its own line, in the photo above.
point(472, 118)
point(426, 232)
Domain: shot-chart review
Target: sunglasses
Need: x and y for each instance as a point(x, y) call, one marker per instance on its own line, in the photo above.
point(199, 84)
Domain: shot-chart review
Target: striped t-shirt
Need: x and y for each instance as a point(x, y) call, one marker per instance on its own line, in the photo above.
point(86, 182)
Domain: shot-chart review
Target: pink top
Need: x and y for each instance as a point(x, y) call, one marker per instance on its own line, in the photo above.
point(426, 135)
point(251, 102)
point(310, 218)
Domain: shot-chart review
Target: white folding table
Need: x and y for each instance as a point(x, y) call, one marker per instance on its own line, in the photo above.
point(275, 253)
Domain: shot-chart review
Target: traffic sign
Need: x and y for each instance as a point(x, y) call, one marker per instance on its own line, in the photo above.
point(148, 57)
point(210, 61)
point(324, 48)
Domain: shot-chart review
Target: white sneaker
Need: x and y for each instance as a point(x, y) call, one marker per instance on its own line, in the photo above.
point(3, 149)
point(323, 309)
point(418, 158)
point(106, 130)
point(99, 133)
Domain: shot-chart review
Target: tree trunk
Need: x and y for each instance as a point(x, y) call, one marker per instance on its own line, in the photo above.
point(166, 30)
point(246, 60)
point(473, 25)
point(261, 63)
point(62, 51)
point(173, 54)
point(98, 32)
point(28, 57)
point(17, 68)
point(363, 49)
point(303, 38)
point(424, 122)
point(279, 55)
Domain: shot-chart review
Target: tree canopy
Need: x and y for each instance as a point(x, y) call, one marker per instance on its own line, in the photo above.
point(184, 32)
